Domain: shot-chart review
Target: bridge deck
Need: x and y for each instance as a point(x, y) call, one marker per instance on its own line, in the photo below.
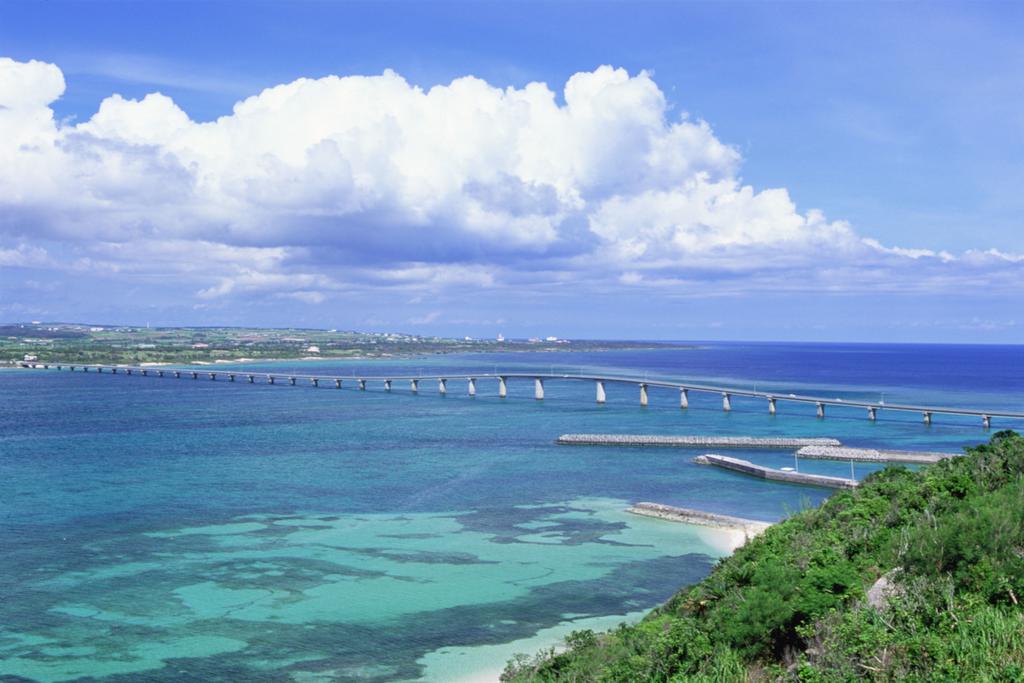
point(615, 379)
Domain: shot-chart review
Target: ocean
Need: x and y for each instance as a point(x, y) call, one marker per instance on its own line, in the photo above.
point(171, 530)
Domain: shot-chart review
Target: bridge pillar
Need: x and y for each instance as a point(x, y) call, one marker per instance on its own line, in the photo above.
point(72, 368)
point(387, 385)
point(231, 377)
point(145, 373)
point(684, 398)
point(872, 413)
point(538, 388)
point(213, 376)
point(986, 421)
point(177, 374)
point(160, 373)
point(98, 369)
point(601, 397)
point(195, 375)
point(270, 379)
point(60, 367)
point(337, 384)
point(113, 371)
point(820, 409)
point(771, 406)
point(442, 386)
point(414, 386)
point(927, 417)
point(472, 386)
point(315, 381)
point(291, 380)
point(46, 366)
point(726, 402)
point(252, 379)
point(129, 371)
point(643, 395)
point(362, 385)
point(502, 388)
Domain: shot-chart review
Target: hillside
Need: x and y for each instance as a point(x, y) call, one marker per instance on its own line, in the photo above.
point(793, 605)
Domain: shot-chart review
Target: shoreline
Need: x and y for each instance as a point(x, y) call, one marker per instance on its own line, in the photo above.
point(740, 529)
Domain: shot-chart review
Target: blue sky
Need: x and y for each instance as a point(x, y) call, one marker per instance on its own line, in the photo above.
point(845, 171)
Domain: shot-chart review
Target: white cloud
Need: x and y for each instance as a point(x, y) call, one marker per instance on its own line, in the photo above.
point(314, 187)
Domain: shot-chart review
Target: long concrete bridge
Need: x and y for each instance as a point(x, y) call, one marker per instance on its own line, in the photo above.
point(641, 384)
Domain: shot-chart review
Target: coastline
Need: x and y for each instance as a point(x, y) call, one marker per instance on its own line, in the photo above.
point(485, 663)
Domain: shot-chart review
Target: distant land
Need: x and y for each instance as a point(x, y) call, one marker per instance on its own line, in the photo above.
point(89, 343)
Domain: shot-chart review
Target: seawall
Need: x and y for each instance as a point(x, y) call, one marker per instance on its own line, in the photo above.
point(771, 442)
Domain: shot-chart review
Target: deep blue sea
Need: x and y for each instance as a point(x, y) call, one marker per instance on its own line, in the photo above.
point(179, 530)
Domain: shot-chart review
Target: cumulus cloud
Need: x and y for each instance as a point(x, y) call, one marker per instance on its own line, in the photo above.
point(320, 186)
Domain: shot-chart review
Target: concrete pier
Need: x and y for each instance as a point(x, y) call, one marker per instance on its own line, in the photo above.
point(387, 385)
point(414, 386)
point(291, 380)
point(726, 402)
point(538, 388)
point(270, 379)
point(113, 371)
point(872, 414)
point(316, 382)
point(684, 398)
point(601, 396)
point(442, 386)
point(252, 379)
point(986, 421)
point(643, 395)
point(160, 373)
point(362, 385)
point(213, 376)
point(819, 409)
point(145, 372)
point(927, 417)
point(231, 377)
point(195, 375)
point(771, 406)
point(749, 468)
point(337, 384)
point(177, 374)
point(502, 388)
point(471, 387)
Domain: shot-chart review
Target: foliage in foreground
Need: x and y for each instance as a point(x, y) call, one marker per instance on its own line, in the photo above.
point(791, 605)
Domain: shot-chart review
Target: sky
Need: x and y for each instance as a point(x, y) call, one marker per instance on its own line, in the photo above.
point(746, 171)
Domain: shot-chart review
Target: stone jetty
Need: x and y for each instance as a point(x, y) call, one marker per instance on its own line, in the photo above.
point(749, 468)
point(750, 527)
point(771, 442)
point(872, 455)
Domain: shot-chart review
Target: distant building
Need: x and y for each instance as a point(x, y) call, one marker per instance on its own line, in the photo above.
point(95, 329)
point(551, 339)
point(313, 349)
point(30, 357)
point(501, 337)
point(201, 345)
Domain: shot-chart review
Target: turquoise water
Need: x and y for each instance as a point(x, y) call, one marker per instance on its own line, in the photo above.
point(165, 529)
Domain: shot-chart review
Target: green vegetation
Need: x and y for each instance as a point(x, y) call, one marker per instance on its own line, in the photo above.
point(80, 343)
point(792, 604)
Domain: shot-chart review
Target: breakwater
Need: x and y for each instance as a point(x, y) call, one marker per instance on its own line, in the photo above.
point(872, 455)
point(749, 468)
point(747, 442)
point(750, 527)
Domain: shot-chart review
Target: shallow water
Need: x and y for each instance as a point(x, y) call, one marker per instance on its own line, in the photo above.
point(178, 529)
